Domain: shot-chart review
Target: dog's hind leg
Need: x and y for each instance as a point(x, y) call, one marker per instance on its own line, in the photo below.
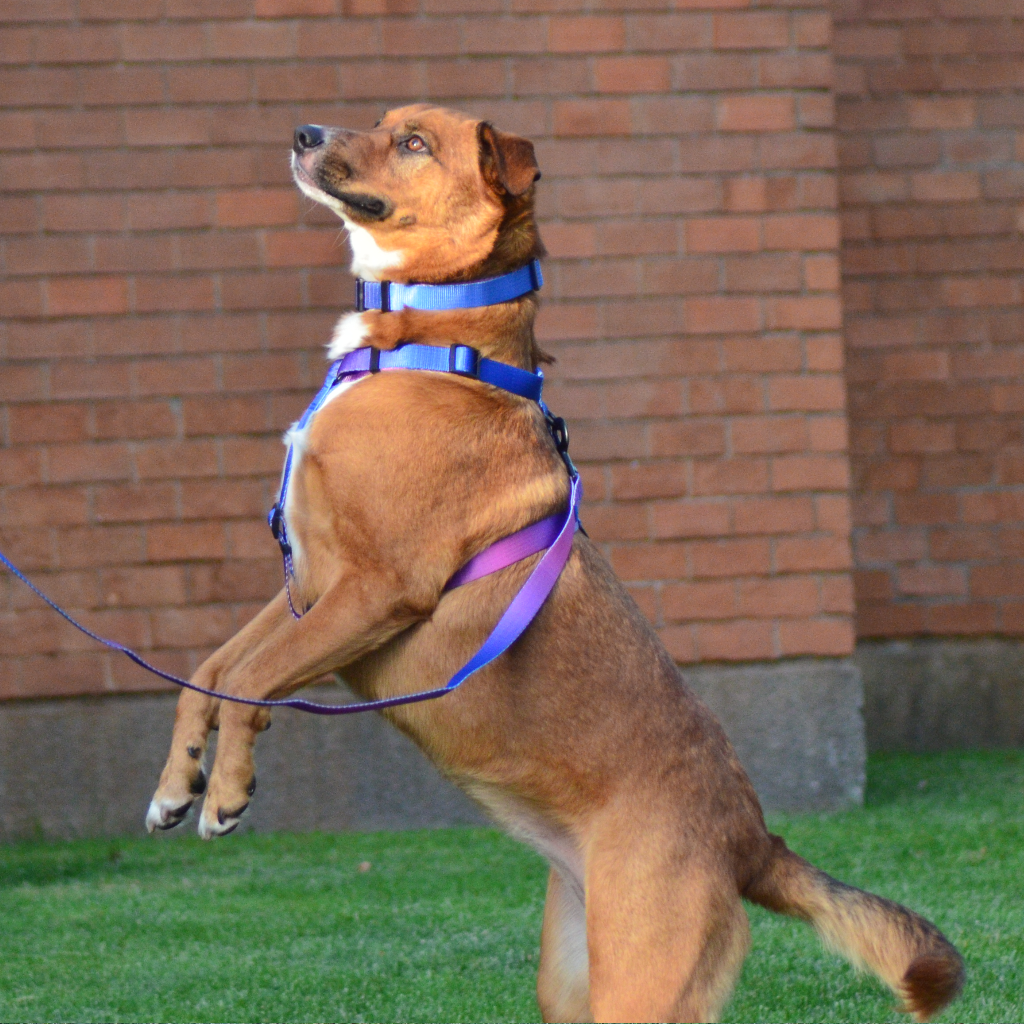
point(183, 780)
point(666, 931)
point(563, 986)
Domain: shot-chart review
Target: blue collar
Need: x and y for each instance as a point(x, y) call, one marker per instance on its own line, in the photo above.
point(389, 296)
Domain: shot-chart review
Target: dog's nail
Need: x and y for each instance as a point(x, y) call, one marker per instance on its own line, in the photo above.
point(222, 815)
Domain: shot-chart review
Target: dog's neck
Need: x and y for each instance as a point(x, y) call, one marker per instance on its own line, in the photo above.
point(503, 331)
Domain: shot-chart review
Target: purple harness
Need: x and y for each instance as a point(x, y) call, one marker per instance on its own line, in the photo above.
point(554, 533)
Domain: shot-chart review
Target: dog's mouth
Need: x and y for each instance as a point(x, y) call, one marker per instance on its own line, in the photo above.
point(365, 207)
point(359, 205)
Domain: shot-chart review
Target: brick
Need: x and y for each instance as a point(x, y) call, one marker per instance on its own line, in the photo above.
point(208, 83)
point(761, 355)
point(126, 420)
point(135, 503)
point(649, 561)
point(31, 87)
point(272, 290)
point(171, 293)
point(174, 377)
point(141, 42)
point(920, 436)
point(18, 215)
point(294, 8)
point(812, 554)
point(931, 581)
point(721, 315)
point(751, 30)
point(941, 112)
point(586, 34)
point(757, 113)
point(780, 597)
point(689, 518)
point(768, 434)
point(82, 462)
point(34, 423)
point(687, 438)
point(773, 515)
point(591, 117)
point(106, 86)
point(674, 32)
point(810, 472)
point(688, 602)
point(656, 481)
point(742, 640)
point(631, 74)
point(801, 232)
point(296, 82)
point(729, 557)
point(250, 40)
point(763, 273)
point(505, 35)
point(962, 619)
point(186, 627)
point(807, 393)
point(143, 586)
point(945, 186)
point(84, 296)
point(819, 637)
point(723, 234)
point(194, 541)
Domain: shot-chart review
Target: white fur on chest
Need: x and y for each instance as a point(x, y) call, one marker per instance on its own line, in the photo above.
point(298, 440)
point(524, 823)
point(349, 334)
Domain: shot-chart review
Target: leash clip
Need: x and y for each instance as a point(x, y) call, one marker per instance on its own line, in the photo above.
point(275, 519)
point(560, 435)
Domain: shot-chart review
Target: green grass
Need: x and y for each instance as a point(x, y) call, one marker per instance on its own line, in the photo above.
point(444, 925)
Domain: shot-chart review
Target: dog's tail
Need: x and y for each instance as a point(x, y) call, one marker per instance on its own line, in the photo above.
point(907, 952)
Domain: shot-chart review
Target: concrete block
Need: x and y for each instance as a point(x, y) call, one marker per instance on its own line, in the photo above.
point(796, 726)
point(937, 694)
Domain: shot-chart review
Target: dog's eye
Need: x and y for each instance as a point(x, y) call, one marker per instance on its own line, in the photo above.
point(415, 144)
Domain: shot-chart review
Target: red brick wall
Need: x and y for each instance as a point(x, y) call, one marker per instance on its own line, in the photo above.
point(167, 292)
point(931, 124)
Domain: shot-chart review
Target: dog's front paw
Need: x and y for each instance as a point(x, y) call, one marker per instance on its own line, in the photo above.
point(164, 814)
point(182, 781)
point(220, 817)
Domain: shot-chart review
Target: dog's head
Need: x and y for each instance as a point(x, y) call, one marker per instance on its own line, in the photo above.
point(427, 194)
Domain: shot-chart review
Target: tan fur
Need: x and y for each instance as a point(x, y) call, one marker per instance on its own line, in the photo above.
point(582, 739)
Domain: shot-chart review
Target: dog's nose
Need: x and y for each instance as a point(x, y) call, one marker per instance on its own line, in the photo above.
point(308, 136)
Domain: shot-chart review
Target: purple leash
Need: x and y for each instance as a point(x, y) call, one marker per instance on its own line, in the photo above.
point(519, 614)
point(554, 533)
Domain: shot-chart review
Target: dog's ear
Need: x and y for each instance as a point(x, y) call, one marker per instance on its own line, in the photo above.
point(507, 162)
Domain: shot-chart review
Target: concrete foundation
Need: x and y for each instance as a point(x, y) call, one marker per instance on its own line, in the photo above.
point(943, 694)
point(88, 766)
point(796, 726)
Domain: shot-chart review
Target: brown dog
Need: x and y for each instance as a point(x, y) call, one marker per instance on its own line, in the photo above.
point(581, 739)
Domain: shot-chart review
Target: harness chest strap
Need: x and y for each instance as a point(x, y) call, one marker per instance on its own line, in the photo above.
point(463, 361)
point(524, 606)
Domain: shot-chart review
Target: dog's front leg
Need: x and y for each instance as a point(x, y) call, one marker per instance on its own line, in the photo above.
point(345, 623)
point(183, 780)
